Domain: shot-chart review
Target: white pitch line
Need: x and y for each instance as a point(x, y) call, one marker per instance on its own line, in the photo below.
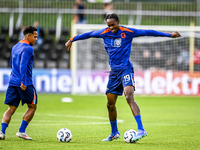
point(51, 124)
point(77, 116)
point(88, 117)
point(70, 122)
point(46, 121)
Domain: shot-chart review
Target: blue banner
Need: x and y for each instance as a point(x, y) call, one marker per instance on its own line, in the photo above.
point(44, 80)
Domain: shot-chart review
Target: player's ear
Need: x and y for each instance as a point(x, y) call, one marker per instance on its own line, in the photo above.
point(28, 35)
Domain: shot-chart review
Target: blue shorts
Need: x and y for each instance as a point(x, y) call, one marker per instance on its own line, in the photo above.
point(118, 79)
point(15, 94)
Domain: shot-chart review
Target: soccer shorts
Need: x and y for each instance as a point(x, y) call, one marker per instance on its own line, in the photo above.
point(15, 94)
point(118, 79)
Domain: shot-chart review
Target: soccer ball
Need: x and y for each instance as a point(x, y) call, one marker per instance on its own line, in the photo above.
point(64, 135)
point(129, 135)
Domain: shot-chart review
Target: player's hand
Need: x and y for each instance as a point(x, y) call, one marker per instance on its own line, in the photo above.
point(68, 45)
point(23, 87)
point(175, 34)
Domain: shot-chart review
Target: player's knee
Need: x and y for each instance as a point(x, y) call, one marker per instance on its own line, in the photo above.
point(32, 110)
point(129, 97)
point(130, 100)
point(110, 106)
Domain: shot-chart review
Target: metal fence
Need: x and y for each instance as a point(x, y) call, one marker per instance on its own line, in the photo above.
point(60, 13)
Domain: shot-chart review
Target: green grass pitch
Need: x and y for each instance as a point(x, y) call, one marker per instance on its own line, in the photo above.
point(172, 123)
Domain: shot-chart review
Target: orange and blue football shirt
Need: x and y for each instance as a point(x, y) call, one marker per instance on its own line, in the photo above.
point(21, 62)
point(118, 45)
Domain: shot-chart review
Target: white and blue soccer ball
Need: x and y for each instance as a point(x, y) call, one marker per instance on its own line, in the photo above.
point(129, 135)
point(64, 135)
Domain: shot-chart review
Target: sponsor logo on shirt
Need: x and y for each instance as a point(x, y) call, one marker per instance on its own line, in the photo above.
point(116, 42)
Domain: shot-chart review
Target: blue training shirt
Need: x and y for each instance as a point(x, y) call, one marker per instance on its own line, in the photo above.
point(118, 45)
point(21, 62)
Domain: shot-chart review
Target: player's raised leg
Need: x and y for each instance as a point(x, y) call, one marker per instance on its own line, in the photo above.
point(6, 120)
point(112, 112)
point(129, 94)
point(26, 119)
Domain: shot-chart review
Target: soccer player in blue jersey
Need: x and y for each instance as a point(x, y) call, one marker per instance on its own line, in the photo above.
point(117, 42)
point(20, 84)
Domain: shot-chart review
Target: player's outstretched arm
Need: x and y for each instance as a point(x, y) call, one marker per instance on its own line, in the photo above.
point(175, 34)
point(84, 36)
point(68, 44)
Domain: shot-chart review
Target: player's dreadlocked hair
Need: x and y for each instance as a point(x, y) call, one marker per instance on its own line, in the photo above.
point(113, 15)
point(29, 29)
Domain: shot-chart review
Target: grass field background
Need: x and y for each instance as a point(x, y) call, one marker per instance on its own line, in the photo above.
point(171, 123)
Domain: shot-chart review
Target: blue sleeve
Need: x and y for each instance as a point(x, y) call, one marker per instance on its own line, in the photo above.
point(96, 34)
point(25, 57)
point(140, 32)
